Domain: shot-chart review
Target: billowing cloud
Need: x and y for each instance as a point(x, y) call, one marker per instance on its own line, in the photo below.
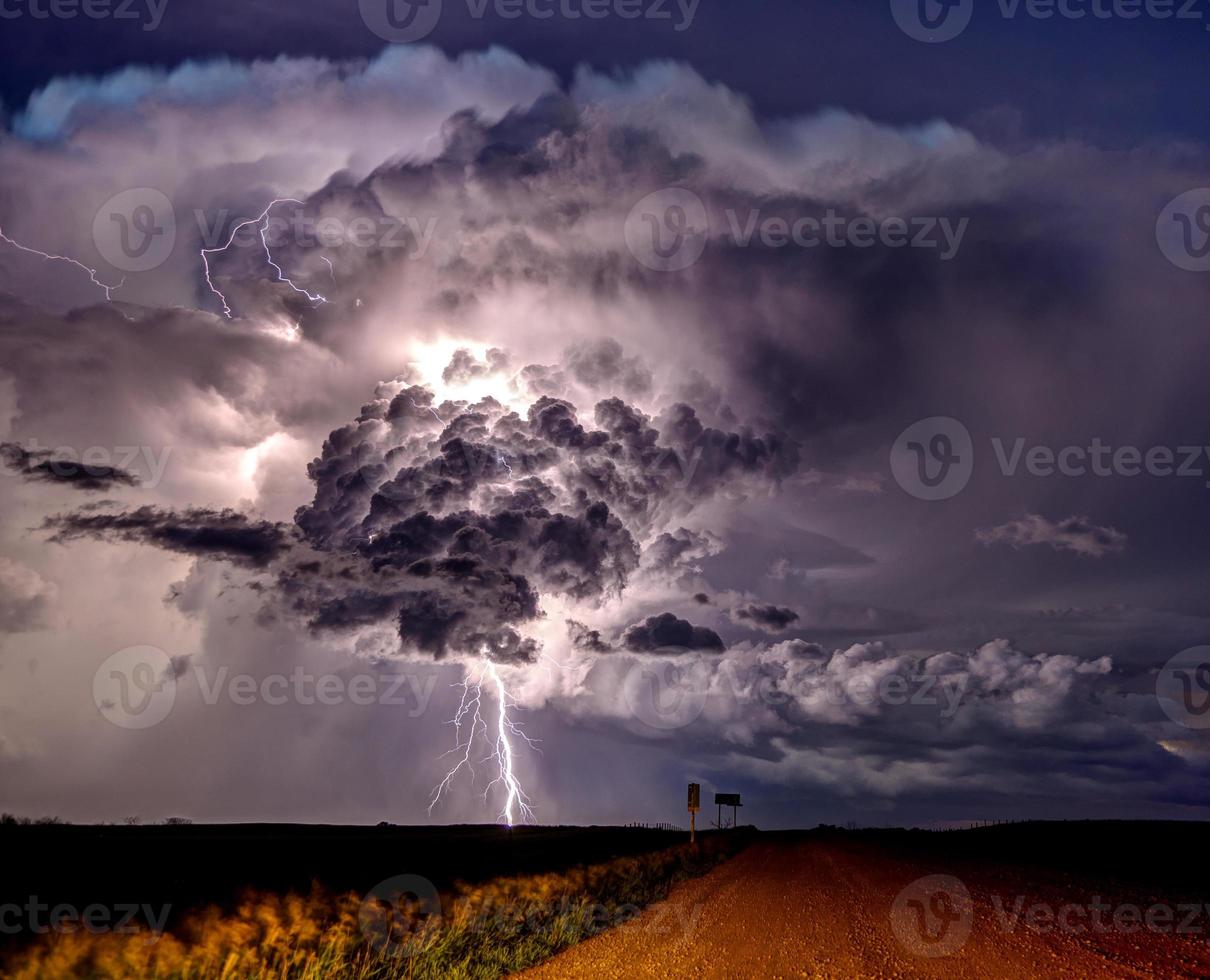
point(1075, 534)
point(25, 597)
point(666, 633)
point(577, 461)
point(772, 619)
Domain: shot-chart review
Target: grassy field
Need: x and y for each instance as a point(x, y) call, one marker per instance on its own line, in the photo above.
point(482, 924)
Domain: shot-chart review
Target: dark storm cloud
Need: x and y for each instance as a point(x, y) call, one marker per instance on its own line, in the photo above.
point(451, 520)
point(491, 508)
point(44, 466)
point(666, 633)
point(198, 532)
point(758, 369)
point(583, 638)
point(770, 618)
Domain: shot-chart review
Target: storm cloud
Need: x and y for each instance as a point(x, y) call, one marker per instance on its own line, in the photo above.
point(500, 433)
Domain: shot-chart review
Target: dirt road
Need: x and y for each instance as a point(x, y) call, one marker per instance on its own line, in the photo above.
point(820, 908)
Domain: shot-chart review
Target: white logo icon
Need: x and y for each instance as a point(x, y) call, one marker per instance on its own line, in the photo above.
point(401, 21)
point(933, 459)
point(666, 231)
point(932, 21)
point(135, 687)
point(1183, 231)
point(135, 230)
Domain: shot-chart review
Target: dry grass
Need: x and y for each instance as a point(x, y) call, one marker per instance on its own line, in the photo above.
point(485, 930)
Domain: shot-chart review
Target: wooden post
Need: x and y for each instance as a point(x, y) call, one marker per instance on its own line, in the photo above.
point(695, 804)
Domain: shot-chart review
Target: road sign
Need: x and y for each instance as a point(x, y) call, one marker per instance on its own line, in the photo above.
point(695, 804)
point(731, 800)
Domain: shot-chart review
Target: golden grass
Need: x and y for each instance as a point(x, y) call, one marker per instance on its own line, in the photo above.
point(485, 930)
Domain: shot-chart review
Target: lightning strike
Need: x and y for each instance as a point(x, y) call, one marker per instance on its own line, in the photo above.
point(92, 273)
point(420, 408)
point(502, 460)
point(264, 228)
point(516, 806)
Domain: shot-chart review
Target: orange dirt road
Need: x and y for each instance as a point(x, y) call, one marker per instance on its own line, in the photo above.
point(848, 908)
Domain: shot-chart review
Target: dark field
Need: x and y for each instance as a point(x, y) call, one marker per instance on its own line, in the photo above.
point(513, 898)
point(197, 865)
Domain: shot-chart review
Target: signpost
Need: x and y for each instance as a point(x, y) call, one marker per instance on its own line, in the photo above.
point(731, 800)
point(695, 804)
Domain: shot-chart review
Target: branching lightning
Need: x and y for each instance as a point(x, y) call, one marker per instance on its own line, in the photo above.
point(264, 229)
point(470, 713)
point(92, 273)
point(420, 408)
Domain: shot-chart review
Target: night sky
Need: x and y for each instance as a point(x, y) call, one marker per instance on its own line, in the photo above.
point(757, 396)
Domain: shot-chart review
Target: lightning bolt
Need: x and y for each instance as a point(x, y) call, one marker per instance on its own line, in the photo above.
point(429, 408)
point(92, 273)
point(503, 461)
point(281, 276)
point(470, 713)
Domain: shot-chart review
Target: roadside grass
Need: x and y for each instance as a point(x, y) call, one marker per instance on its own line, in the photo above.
point(482, 931)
